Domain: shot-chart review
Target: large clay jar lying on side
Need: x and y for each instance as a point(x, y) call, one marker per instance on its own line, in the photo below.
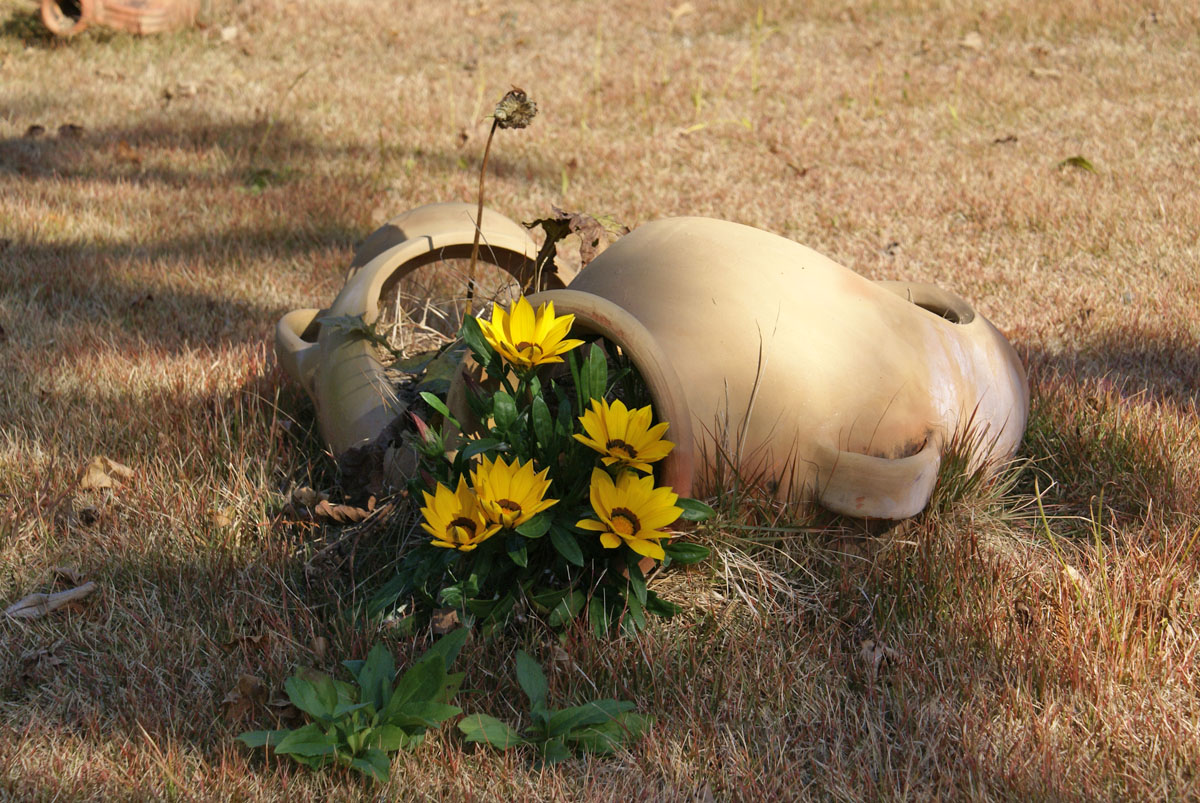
point(796, 372)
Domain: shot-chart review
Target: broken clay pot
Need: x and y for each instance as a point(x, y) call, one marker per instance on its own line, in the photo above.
point(803, 377)
point(69, 17)
point(767, 358)
point(339, 370)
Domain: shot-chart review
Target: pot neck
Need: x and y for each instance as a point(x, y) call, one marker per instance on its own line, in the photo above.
point(596, 315)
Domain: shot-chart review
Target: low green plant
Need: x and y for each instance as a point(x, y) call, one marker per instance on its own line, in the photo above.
point(358, 724)
point(550, 502)
point(598, 727)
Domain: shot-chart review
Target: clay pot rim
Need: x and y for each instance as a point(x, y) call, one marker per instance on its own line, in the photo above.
point(598, 316)
point(59, 24)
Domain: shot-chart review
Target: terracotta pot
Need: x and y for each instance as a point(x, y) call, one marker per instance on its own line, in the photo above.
point(766, 358)
point(807, 378)
point(69, 17)
point(354, 400)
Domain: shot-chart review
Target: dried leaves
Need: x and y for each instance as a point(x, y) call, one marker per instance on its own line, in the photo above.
point(35, 606)
point(101, 472)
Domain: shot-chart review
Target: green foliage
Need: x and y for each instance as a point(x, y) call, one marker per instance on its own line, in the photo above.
point(598, 727)
point(547, 563)
point(358, 724)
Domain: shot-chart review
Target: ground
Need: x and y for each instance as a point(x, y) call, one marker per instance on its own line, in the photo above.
point(1028, 637)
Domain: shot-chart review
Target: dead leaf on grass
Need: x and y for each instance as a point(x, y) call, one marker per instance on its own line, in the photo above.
point(101, 472)
point(286, 714)
point(127, 153)
point(67, 575)
point(343, 514)
point(874, 653)
point(444, 620)
point(320, 647)
point(39, 664)
point(303, 496)
point(242, 699)
point(36, 606)
point(682, 10)
point(972, 41)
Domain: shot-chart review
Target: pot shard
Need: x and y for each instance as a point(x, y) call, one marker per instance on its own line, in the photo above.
point(69, 17)
point(767, 358)
point(356, 406)
point(802, 376)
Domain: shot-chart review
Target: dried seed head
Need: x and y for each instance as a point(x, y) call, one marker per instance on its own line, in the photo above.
point(515, 110)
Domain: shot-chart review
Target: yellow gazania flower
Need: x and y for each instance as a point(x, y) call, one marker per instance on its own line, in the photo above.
point(510, 494)
point(631, 511)
point(455, 519)
point(526, 339)
point(623, 436)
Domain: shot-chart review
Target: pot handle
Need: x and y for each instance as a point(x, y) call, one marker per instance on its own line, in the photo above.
point(878, 487)
point(295, 354)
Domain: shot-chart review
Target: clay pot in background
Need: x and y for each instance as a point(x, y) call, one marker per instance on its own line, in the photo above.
point(69, 17)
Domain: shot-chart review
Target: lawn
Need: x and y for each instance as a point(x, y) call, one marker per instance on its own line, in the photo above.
point(163, 201)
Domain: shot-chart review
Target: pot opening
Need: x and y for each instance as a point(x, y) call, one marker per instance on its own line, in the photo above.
point(71, 9)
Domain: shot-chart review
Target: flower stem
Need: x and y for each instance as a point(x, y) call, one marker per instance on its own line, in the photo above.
point(479, 219)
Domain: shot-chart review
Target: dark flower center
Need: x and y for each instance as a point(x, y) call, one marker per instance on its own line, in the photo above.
point(525, 344)
point(464, 527)
point(616, 444)
point(509, 505)
point(625, 522)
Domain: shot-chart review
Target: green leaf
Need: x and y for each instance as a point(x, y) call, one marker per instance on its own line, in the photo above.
point(537, 526)
point(307, 741)
point(532, 678)
point(594, 375)
point(349, 708)
point(543, 424)
point(305, 697)
point(489, 730)
point(599, 617)
point(440, 406)
point(517, 553)
point(448, 647)
point(637, 582)
point(603, 738)
point(636, 614)
point(355, 666)
point(683, 552)
point(374, 764)
point(390, 738)
point(567, 609)
point(504, 411)
point(473, 336)
point(1080, 162)
point(591, 713)
point(555, 751)
point(262, 738)
point(694, 509)
point(375, 678)
point(478, 446)
point(418, 716)
point(659, 606)
point(566, 544)
point(421, 683)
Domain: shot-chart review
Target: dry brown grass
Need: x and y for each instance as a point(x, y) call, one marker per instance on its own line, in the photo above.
point(980, 651)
